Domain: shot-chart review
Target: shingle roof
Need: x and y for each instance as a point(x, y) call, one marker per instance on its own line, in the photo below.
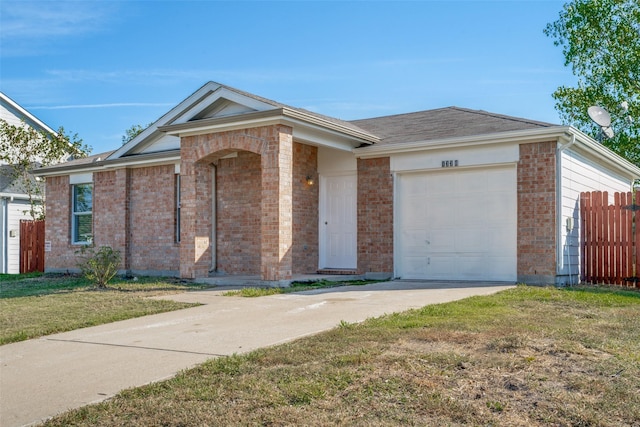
point(10, 185)
point(77, 163)
point(450, 122)
point(347, 124)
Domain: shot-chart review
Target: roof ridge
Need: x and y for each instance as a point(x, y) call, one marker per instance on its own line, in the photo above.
point(401, 114)
point(500, 116)
point(332, 119)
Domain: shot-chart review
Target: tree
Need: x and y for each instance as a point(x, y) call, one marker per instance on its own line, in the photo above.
point(25, 148)
point(132, 132)
point(600, 40)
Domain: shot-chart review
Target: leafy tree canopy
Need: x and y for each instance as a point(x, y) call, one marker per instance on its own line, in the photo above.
point(132, 132)
point(25, 148)
point(600, 40)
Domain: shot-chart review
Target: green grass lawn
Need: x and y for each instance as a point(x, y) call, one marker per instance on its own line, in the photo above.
point(251, 292)
point(526, 356)
point(32, 306)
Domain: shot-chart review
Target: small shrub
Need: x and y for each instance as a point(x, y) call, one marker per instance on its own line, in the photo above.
point(99, 266)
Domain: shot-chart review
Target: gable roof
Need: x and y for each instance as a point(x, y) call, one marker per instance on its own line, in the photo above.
point(11, 186)
point(217, 106)
point(19, 113)
point(450, 122)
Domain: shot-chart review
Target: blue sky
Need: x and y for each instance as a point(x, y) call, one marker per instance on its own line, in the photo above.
point(98, 67)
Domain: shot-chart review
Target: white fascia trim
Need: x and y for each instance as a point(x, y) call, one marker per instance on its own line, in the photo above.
point(27, 114)
point(16, 196)
point(535, 135)
point(115, 164)
point(588, 145)
point(302, 130)
point(167, 118)
point(221, 92)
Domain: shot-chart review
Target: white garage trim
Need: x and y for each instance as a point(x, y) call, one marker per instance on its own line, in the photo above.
point(456, 224)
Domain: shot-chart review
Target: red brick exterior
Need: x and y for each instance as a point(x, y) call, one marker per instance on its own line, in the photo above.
point(375, 216)
point(133, 212)
point(238, 182)
point(58, 225)
point(537, 213)
point(111, 211)
point(152, 241)
point(274, 144)
point(267, 214)
point(305, 209)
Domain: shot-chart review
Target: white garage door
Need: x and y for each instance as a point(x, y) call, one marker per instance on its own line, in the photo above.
point(457, 225)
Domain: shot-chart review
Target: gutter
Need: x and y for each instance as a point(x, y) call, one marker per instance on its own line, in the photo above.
point(275, 115)
point(559, 218)
point(557, 133)
point(17, 196)
point(526, 136)
point(4, 225)
point(151, 159)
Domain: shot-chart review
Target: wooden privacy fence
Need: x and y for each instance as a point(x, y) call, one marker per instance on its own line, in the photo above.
point(610, 236)
point(31, 246)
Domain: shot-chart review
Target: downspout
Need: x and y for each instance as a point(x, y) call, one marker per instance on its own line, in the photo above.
point(214, 221)
point(4, 214)
point(559, 225)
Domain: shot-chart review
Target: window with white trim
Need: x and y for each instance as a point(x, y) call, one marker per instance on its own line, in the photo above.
point(82, 214)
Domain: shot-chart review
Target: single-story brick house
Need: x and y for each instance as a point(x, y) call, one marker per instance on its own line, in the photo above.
point(231, 183)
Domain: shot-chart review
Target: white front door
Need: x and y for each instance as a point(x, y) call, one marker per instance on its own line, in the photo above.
point(338, 222)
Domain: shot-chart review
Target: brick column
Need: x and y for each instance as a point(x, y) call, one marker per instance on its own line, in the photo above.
point(187, 218)
point(537, 213)
point(277, 204)
point(375, 217)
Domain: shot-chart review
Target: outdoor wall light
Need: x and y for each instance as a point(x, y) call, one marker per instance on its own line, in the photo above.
point(310, 180)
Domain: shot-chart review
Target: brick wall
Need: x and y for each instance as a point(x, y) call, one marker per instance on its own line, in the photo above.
point(375, 216)
point(305, 209)
point(58, 225)
point(152, 244)
point(537, 213)
point(274, 144)
point(239, 188)
point(110, 211)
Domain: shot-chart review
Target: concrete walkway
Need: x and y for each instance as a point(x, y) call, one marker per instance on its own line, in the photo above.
point(43, 377)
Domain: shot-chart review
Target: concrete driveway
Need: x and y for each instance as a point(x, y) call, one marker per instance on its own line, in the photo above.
point(43, 377)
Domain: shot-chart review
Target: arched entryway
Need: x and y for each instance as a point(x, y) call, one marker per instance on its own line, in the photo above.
point(273, 146)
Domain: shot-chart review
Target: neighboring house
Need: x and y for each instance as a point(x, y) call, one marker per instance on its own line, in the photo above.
point(231, 183)
point(14, 203)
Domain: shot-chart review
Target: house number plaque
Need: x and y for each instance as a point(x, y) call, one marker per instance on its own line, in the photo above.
point(449, 163)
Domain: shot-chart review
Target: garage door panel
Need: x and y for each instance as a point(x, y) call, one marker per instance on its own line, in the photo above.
point(500, 180)
point(415, 242)
point(497, 238)
point(443, 240)
point(469, 266)
point(415, 267)
point(440, 267)
point(440, 215)
point(470, 215)
point(468, 218)
point(471, 241)
point(438, 184)
point(472, 183)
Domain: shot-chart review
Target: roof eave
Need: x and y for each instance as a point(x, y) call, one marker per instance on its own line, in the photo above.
point(138, 160)
point(529, 135)
point(562, 134)
point(282, 115)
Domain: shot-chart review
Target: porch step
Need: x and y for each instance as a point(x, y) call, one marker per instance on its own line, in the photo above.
point(337, 272)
